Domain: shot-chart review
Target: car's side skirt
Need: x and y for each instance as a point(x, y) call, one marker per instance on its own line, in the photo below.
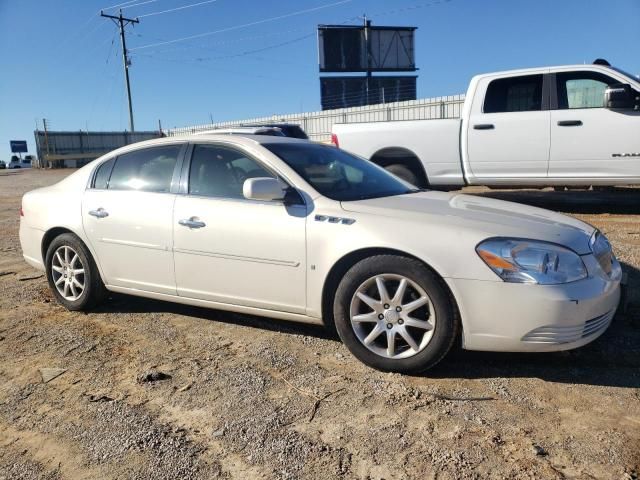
point(294, 317)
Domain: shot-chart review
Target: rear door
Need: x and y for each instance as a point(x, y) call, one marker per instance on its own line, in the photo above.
point(588, 140)
point(127, 217)
point(508, 129)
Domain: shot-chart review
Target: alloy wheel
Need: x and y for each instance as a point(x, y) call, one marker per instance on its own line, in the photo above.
point(68, 274)
point(392, 316)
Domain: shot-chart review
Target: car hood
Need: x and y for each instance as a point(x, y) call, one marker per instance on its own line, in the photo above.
point(484, 216)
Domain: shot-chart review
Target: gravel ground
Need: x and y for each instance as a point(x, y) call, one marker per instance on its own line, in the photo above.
point(161, 391)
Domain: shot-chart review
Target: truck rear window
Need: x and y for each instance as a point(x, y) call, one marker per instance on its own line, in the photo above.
point(514, 94)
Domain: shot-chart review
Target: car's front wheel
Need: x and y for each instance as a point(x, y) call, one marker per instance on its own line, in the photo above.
point(72, 274)
point(394, 314)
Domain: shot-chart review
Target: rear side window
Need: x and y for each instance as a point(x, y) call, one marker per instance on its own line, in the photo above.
point(101, 179)
point(514, 94)
point(148, 170)
point(582, 89)
point(221, 171)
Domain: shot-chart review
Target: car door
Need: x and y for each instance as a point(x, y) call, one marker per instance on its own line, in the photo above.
point(232, 250)
point(508, 129)
point(127, 216)
point(588, 140)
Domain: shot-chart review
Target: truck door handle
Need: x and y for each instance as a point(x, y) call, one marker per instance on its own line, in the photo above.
point(484, 126)
point(570, 123)
point(192, 222)
point(99, 213)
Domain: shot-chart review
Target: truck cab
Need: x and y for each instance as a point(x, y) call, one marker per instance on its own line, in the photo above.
point(576, 125)
point(563, 125)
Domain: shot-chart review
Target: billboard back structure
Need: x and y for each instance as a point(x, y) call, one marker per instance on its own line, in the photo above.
point(366, 48)
point(345, 92)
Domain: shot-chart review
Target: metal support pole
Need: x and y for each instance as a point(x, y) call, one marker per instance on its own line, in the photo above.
point(367, 40)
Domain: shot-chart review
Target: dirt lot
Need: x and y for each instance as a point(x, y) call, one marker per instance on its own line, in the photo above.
point(247, 397)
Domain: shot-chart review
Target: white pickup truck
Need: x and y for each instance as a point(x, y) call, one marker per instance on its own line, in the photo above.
point(573, 125)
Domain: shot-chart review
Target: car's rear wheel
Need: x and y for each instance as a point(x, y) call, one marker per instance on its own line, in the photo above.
point(72, 274)
point(394, 314)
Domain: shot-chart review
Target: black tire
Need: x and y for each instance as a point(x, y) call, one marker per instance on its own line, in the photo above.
point(94, 290)
point(404, 172)
point(447, 324)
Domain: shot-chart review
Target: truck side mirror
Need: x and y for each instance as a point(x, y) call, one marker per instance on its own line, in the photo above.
point(619, 96)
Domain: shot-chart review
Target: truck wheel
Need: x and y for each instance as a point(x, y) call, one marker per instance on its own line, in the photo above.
point(394, 315)
point(403, 172)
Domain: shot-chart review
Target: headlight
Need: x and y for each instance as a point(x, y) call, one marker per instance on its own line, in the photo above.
point(603, 252)
point(531, 261)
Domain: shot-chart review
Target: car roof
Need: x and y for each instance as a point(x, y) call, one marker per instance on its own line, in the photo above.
point(238, 139)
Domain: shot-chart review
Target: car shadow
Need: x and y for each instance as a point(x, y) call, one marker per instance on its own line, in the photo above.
point(119, 303)
point(612, 360)
point(618, 200)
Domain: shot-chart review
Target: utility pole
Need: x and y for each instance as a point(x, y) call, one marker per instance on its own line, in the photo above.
point(46, 141)
point(367, 40)
point(122, 22)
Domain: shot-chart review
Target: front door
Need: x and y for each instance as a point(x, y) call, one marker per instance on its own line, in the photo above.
point(587, 140)
point(127, 217)
point(229, 249)
point(508, 130)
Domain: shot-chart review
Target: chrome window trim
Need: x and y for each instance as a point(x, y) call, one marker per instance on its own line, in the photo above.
point(186, 167)
point(174, 178)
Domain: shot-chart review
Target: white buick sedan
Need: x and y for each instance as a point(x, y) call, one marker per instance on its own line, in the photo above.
point(300, 231)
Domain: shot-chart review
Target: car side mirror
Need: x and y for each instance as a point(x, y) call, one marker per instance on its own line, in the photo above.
point(619, 96)
point(263, 188)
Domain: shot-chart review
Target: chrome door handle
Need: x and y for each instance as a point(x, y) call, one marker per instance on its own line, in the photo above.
point(99, 213)
point(192, 222)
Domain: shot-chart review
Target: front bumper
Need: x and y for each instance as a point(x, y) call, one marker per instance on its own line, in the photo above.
point(513, 317)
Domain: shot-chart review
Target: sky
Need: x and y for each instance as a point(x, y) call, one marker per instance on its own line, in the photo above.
point(63, 62)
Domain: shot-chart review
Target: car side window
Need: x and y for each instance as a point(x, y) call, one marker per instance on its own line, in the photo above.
point(101, 178)
point(514, 94)
point(582, 89)
point(218, 171)
point(147, 170)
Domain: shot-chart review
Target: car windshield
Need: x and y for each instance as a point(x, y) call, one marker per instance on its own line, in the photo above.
point(337, 174)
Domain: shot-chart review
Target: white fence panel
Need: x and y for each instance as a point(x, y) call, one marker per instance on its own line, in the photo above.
point(318, 124)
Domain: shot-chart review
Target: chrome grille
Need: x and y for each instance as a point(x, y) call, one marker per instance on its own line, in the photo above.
point(567, 334)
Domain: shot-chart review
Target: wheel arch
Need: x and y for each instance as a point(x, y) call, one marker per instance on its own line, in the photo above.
point(54, 232)
point(343, 264)
point(401, 155)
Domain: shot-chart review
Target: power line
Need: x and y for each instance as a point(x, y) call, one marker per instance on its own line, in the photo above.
point(120, 5)
point(237, 27)
point(209, 46)
point(177, 8)
point(250, 52)
point(139, 4)
point(209, 67)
